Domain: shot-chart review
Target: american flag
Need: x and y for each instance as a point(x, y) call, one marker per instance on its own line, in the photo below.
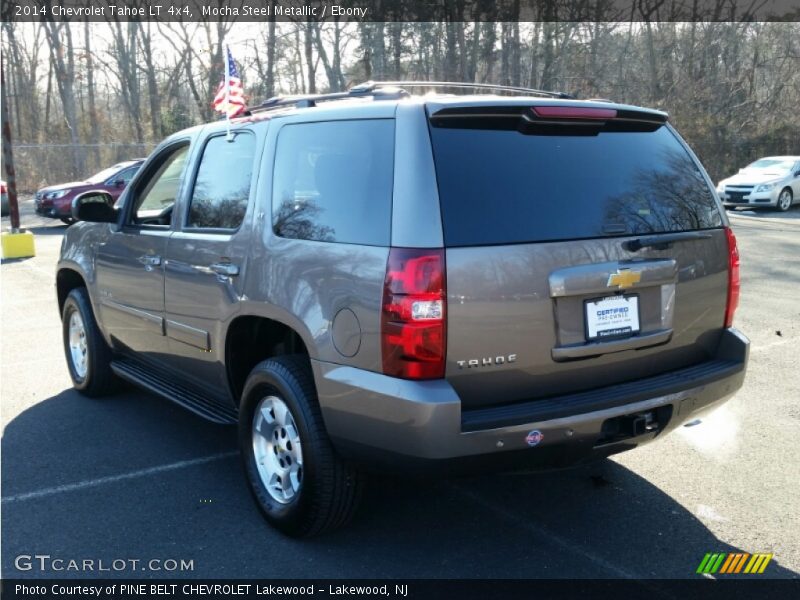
point(230, 94)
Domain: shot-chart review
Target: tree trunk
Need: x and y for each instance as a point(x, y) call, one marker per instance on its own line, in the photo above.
point(153, 96)
point(365, 30)
point(94, 125)
point(63, 58)
point(8, 155)
point(270, 83)
point(309, 50)
point(397, 50)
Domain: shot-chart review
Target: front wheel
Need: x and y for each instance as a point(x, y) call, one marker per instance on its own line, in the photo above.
point(300, 484)
point(88, 355)
point(785, 200)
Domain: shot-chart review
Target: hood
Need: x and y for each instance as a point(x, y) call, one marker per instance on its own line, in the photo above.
point(64, 186)
point(753, 177)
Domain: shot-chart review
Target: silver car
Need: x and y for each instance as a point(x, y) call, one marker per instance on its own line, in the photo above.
point(772, 181)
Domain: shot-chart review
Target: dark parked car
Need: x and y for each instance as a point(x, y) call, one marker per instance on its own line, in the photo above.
point(55, 201)
point(373, 278)
point(5, 207)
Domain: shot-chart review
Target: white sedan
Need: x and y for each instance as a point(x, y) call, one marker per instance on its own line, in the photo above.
point(772, 181)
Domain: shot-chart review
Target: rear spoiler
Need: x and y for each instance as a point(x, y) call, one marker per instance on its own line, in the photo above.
point(550, 119)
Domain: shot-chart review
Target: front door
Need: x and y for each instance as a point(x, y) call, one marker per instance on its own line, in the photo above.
point(130, 265)
point(206, 260)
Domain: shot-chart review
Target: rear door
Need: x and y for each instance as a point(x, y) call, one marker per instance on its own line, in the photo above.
point(547, 291)
point(207, 258)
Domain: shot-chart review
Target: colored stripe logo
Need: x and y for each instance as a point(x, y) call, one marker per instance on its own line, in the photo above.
point(734, 562)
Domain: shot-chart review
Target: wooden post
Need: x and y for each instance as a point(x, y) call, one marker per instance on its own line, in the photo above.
point(8, 155)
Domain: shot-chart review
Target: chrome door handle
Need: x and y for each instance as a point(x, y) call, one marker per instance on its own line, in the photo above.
point(149, 260)
point(225, 269)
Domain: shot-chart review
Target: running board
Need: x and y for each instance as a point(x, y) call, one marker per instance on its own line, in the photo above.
point(155, 383)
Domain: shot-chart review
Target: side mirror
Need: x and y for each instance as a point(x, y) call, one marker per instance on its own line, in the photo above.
point(797, 173)
point(118, 183)
point(94, 207)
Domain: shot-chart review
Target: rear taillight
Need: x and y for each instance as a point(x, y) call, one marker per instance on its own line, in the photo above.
point(2, 188)
point(734, 283)
point(413, 315)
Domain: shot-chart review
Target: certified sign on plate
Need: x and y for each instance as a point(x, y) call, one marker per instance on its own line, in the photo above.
point(613, 316)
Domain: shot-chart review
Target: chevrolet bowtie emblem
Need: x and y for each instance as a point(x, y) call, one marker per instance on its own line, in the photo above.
point(624, 278)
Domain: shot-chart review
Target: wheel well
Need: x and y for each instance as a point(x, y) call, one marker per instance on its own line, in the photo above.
point(66, 281)
point(252, 339)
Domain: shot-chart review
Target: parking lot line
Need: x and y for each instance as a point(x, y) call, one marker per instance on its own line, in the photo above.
point(80, 485)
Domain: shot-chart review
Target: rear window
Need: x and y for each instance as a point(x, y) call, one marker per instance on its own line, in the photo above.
point(505, 187)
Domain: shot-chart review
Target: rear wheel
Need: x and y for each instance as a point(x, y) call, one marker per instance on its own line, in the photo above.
point(300, 484)
point(785, 199)
point(88, 355)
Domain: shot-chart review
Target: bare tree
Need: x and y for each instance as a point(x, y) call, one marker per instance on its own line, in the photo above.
point(62, 56)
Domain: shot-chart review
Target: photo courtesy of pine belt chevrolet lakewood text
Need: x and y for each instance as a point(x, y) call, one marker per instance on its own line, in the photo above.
point(379, 279)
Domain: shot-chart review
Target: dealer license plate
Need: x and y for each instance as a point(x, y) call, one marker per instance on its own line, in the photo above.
point(612, 317)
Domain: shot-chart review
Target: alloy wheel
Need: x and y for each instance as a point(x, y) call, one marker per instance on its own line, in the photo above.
point(78, 349)
point(277, 449)
point(785, 200)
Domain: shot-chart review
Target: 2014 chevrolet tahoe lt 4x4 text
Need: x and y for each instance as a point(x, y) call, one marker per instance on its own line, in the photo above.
point(379, 278)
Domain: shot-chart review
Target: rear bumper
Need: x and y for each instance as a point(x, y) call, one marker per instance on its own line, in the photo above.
point(373, 418)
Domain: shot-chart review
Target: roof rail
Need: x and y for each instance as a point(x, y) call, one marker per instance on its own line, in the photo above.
point(389, 90)
point(373, 85)
point(309, 100)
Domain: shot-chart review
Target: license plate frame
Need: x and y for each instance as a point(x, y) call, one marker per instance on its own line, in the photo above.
point(595, 331)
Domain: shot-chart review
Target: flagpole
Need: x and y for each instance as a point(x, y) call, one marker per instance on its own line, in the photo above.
point(228, 136)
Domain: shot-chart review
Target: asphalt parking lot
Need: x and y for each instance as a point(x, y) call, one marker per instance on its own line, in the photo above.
point(133, 477)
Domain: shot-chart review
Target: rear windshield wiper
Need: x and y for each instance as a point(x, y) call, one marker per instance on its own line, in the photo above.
point(664, 241)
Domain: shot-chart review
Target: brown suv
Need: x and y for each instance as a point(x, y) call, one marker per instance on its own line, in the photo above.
point(376, 278)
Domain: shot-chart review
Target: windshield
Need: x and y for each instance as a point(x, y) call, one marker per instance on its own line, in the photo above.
point(771, 164)
point(106, 173)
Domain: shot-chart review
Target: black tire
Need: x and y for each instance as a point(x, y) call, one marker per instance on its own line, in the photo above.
point(791, 196)
point(67, 220)
point(99, 379)
point(331, 488)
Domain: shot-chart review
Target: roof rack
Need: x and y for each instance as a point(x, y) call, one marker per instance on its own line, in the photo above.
point(390, 90)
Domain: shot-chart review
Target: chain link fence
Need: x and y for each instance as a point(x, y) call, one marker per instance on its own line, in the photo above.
point(725, 159)
point(40, 165)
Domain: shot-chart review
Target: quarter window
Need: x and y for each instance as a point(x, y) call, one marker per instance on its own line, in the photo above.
point(222, 186)
point(333, 181)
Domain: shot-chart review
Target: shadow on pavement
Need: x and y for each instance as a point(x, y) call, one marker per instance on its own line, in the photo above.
point(55, 229)
point(594, 522)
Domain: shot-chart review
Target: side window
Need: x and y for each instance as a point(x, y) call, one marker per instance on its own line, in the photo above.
point(222, 187)
point(127, 174)
point(155, 198)
point(332, 181)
